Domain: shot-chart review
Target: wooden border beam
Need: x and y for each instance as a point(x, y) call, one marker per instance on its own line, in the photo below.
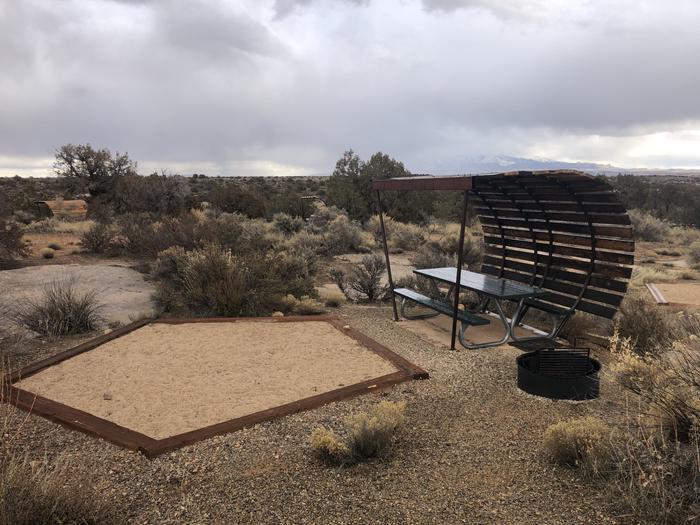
point(75, 419)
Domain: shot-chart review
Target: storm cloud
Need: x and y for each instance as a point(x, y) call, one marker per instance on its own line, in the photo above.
point(285, 86)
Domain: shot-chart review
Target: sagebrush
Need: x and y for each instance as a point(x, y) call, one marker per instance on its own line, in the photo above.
point(368, 435)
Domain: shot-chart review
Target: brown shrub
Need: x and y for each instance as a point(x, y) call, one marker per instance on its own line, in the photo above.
point(369, 435)
point(61, 310)
point(584, 443)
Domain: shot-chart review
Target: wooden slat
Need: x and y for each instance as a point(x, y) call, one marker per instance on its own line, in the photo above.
point(608, 244)
point(555, 206)
point(563, 227)
point(598, 268)
point(544, 258)
point(570, 289)
point(561, 275)
point(543, 250)
point(596, 218)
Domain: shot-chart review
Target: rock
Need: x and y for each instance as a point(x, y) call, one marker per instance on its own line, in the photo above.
point(277, 314)
point(107, 396)
point(346, 327)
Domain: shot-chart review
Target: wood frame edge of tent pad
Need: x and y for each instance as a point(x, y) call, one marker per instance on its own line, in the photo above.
point(426, 183)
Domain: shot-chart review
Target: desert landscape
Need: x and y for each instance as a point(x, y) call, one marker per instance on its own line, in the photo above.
point(467, 436)
point(349, 262)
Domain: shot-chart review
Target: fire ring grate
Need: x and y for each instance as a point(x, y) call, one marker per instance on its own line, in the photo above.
point(559, 373)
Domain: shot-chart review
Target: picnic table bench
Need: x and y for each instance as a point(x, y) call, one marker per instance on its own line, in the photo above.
point(489, 289)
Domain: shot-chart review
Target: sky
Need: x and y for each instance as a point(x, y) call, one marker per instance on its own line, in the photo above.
point(283, 87)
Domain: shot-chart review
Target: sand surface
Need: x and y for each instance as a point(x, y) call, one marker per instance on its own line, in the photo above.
point(681, 293)
point(163, 380)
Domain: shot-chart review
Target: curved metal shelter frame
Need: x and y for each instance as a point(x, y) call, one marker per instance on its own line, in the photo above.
point(563, 231)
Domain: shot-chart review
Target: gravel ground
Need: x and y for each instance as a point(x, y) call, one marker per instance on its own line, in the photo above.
point(470, 453)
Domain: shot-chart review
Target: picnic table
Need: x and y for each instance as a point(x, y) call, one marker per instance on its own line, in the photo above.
point(489, 289)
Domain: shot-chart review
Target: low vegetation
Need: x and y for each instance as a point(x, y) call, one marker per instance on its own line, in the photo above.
point(365, 279)
point(11, 243)
point(60, 310)
point(585, 443)
point(650, 329)
point(651, 463)
point(367, 435)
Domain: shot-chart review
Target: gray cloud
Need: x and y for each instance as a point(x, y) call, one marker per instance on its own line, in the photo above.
point(240, 86)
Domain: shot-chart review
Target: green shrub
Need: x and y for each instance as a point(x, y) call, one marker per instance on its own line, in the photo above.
point(584, 443)
point(648, 228)
point(365, 279)
point(369, 435)
point(47, 253)
point(61, 310)
point(213, 281)
point(96, 238)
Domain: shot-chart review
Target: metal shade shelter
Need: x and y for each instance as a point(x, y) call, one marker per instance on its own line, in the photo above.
point(563, 231)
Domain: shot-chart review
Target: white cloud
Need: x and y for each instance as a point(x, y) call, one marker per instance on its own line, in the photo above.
point(241, 86)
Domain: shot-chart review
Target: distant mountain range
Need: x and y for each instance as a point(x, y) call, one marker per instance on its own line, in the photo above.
point(484, 164)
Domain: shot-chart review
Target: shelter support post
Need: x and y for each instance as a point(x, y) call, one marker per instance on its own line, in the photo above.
point(386, 256)
point(460, 257)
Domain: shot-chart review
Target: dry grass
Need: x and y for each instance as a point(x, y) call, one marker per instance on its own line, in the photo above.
point(584, 443)
point(61, 310)
point(657, 459)
point(36, 492)
point(333, 299)
point(54, 225)
point(369, 435)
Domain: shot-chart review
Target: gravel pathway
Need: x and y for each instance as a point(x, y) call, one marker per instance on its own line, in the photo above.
point(469, 454)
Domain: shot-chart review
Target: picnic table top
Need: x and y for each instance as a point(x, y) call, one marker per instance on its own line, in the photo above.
point(486, 284)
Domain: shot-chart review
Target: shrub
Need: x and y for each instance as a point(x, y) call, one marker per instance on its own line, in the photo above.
point(343, 236)
point(54, 246)
point(649, 328)
point(333, 300)
point(47, 253)
point(60, 311)
point(400, 236)
point(328, 446)
point(648, 228)
point(286, 224)
point(308, 306)
point(584, 443)
point(657, 461)
point(39, 494)
point(96, 238)
point(369, 435)
point(11, 243)
point(47, 225)
point(213, 281)
point(694, 253)
point(365, 279)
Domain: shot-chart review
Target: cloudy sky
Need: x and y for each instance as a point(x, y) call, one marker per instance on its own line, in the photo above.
point(285, 86)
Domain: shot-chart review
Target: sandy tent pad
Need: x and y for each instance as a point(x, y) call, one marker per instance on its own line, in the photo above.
point(682, 293)
point(163, 380)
